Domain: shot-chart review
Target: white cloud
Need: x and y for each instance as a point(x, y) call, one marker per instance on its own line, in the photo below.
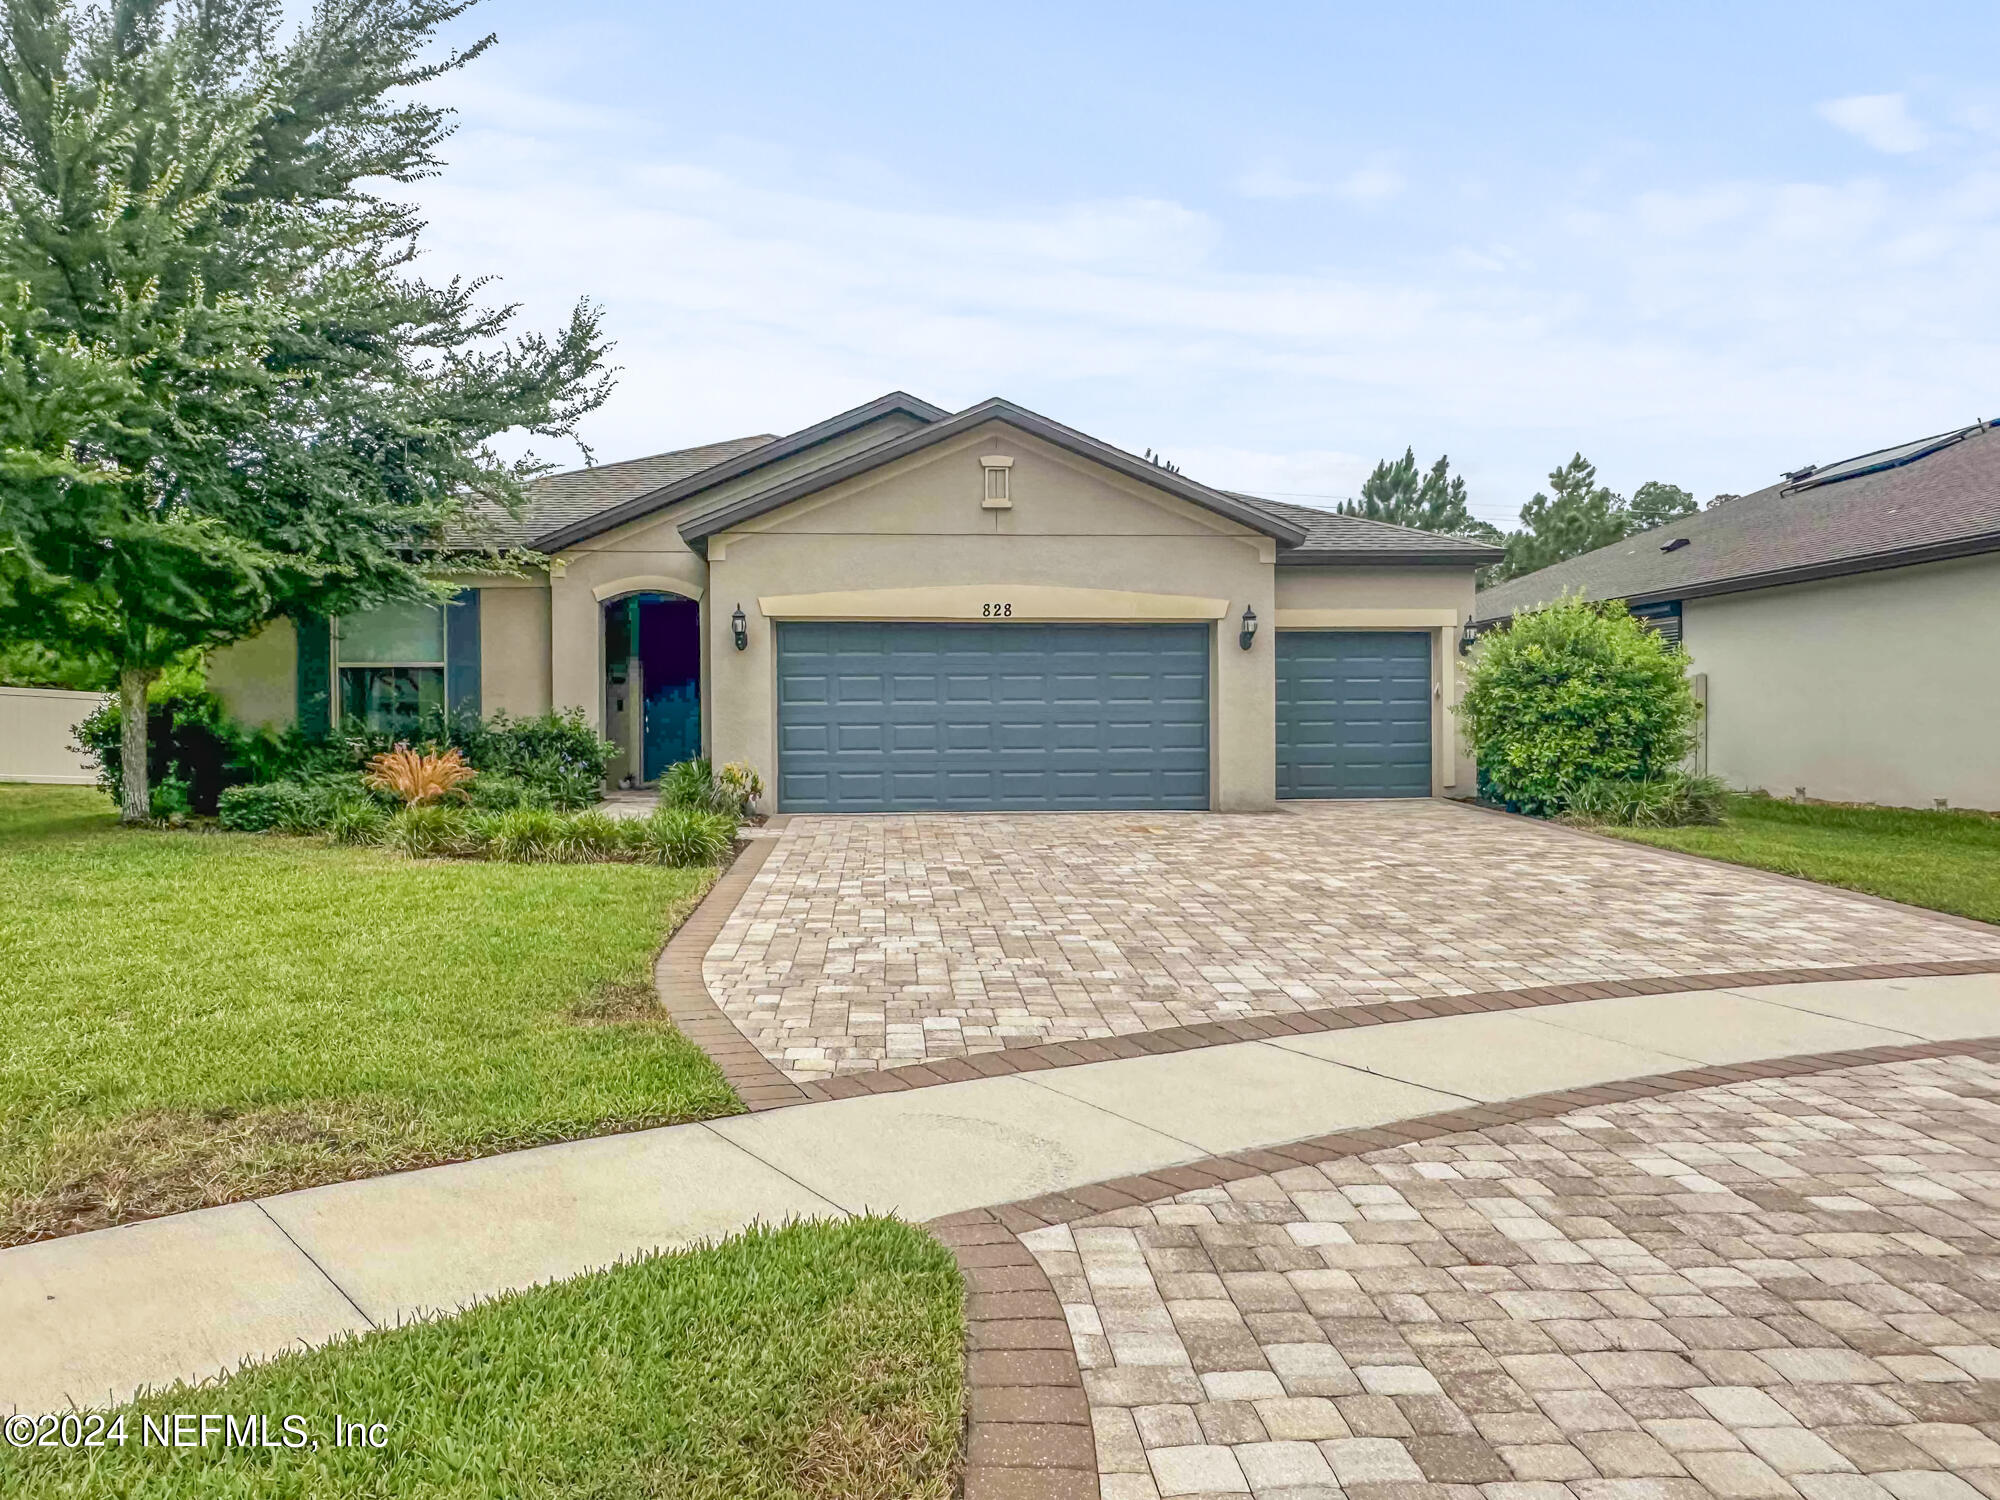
point(1369, 185)
point(1705, 335)
point(1364, 185)
point(1883, 121)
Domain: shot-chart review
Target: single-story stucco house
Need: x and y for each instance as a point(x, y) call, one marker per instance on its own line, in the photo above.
point(907, 609)
point(1841, 623)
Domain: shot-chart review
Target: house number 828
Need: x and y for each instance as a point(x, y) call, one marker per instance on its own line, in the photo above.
point(996, 611)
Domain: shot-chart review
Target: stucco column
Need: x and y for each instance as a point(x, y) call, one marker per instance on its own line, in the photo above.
point(576, 646)
point(741, 689)
point(1244, 773)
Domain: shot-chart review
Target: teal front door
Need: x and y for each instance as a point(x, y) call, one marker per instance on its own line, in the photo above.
point(673, 727)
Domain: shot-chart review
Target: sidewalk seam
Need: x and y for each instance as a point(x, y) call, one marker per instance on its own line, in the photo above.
point(800, 1184)
point(314, 1263)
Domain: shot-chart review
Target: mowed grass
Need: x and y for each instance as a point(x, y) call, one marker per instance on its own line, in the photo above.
point(193, 1018)
point(819, 1361)
point(1948, 861)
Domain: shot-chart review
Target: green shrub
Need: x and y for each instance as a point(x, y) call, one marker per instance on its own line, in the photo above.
point(554, 760)
point(691, 783)
point(279, 805)
point(293, 806)
point(1676, 800)
point(496, 791)
point(742, 785)
point(593, 835)
point(357, 823)
point(557, 755)
point(520, 835)
point(430, 830)
point(168, 800)
point(732, 789)
point(1576, 692)
point(190, 738)
point(687, 836)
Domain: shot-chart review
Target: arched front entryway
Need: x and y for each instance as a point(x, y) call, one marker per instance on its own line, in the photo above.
point(652, 683)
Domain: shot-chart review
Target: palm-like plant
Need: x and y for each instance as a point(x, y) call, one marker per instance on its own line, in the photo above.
point(417, 777)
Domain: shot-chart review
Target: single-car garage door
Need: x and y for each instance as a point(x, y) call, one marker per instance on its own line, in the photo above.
point(1354, 713)
point(879, 717)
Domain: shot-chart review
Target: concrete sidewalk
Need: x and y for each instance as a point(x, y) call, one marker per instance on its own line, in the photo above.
point(92, 1318)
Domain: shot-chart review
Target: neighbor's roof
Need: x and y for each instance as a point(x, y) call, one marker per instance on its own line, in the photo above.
point(1334, 538)
point(1923, 501)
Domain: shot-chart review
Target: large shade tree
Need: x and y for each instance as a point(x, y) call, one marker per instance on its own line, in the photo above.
point(225, 394)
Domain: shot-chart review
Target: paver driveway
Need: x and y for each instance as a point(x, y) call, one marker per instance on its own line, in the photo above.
point(868, 942)
point(1767, 1291)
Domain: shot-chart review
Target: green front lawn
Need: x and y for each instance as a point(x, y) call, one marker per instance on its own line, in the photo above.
point(817, 1361)
point(1948, 861)
point(193, 1018)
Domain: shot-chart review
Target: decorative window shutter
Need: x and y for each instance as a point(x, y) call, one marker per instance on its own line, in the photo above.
point(461, 652)
point(315, 707)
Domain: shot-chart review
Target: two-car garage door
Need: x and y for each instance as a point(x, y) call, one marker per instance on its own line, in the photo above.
point(898, 717)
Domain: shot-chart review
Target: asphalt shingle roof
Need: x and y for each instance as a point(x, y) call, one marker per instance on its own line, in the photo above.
point(559, 500)
point(1332, 537)
point(1945, 503)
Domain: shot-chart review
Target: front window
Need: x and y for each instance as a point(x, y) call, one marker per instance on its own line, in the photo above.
point(390, 664)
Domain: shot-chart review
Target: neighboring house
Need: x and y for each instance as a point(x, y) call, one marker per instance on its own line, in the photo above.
point(907, 609)
point(1841, 623)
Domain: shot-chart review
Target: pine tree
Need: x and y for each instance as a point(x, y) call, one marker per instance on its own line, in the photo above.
point(1579, 515)
point(1435, 502)
point(224, 393)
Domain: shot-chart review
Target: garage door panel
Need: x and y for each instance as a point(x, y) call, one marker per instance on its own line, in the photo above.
point(1006, 717)
point(1354, 713)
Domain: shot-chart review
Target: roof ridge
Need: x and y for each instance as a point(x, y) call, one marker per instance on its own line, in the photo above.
point(645, 458)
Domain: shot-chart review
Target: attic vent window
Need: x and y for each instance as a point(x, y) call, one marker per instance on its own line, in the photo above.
point(1675, 545)
point(996, 467)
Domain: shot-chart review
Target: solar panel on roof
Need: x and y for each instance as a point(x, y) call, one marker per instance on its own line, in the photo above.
point(1874, 463)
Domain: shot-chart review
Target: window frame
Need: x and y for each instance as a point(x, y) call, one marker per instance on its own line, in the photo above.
point(337, 699)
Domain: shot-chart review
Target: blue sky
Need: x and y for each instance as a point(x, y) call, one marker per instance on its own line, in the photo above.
point(1698, 243)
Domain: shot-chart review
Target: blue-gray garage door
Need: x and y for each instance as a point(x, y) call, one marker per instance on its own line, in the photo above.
point(1354, 713)
point(877, 717)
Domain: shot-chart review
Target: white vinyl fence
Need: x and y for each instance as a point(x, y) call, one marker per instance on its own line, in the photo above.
point(38, 736)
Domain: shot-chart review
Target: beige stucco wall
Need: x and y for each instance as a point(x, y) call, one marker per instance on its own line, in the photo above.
point(918, 524)
point(38, 735)
point(648, 555)
point(258, 678)
point(1883, 687)
point(1434, 600)
point(514, 647)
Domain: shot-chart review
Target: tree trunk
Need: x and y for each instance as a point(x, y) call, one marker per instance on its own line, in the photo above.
point(136, 803)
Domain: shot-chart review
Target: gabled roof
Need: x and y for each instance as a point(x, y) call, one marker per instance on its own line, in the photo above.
point(751, 454)
point(557, 501)
point(1334, 538)
point(1918, 502)
point(697, 529)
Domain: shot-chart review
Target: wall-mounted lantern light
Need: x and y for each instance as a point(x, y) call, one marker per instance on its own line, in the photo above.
point(738, 624)
point(1249, 630)
point(1468, 638)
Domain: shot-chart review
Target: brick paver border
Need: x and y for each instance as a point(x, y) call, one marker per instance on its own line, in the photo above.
point(1042, 1055)
point(1028, 1434)
point(677, 981)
